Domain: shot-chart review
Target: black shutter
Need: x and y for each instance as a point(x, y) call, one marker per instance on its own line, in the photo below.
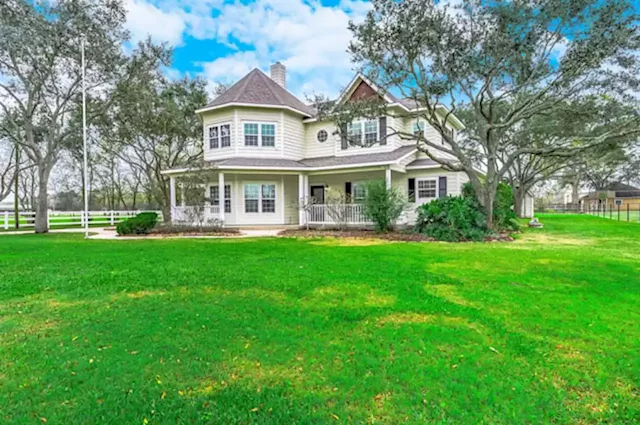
point(347, 191)
point(442, 187)
point(383, 130)
point(343, 137)
point(412, 190)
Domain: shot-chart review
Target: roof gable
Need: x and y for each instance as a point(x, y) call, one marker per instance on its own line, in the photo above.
point(256, 88)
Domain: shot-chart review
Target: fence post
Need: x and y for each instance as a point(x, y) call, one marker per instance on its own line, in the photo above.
point(627, 213)
point(111, 218)
point(618, 212)
point(6, 220)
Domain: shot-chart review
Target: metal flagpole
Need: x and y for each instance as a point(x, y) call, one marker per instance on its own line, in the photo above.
point(84, 146)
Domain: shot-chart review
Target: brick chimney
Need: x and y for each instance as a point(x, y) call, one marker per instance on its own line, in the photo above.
point(279, 74)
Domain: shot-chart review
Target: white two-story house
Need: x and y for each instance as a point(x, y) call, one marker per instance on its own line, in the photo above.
point(269, 154)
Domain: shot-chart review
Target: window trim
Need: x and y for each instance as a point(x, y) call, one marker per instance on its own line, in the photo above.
point(420, 198)
point(224, 195)
point(361, 183)
point(322, 130)
point(219, 125)
point(260, 141)
point(260, 198)
point(361, 122)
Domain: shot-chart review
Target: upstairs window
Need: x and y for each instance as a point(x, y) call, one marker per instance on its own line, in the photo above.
point(251, 134)
point(260, 134)
point(219, 136)
point(418, 128)
point(364, 132)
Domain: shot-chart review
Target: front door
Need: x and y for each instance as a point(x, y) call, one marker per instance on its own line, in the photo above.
point(317, 195)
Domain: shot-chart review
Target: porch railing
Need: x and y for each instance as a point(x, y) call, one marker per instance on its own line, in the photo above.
point(336, 214)
point(195, 214)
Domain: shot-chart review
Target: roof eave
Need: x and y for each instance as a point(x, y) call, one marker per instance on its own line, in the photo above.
point(251, 105)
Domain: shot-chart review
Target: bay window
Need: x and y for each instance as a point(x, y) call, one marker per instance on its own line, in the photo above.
point(214, 195)
point(259, 198)
point(219, 136)
point(259, 134)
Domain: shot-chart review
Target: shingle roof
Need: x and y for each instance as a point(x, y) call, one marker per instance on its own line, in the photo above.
point(255, 162)
point(257, 88)
point(329, 161)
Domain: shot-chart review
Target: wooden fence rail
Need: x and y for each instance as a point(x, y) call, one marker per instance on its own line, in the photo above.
point(27, 219)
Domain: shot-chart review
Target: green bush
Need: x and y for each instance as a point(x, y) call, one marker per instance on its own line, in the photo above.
point(452, 219)
point(383, 205)
point(138, 225)
point(504, 216)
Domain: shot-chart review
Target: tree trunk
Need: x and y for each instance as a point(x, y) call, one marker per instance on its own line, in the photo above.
point(575, 187)
point(42, 225)
point(489, 198)
point(519, 202)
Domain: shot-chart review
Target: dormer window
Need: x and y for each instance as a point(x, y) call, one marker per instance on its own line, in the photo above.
point(259, 134)
point(219, 136)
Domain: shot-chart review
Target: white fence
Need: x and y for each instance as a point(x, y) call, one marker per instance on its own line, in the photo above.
point(68, 218)
point(336, 214)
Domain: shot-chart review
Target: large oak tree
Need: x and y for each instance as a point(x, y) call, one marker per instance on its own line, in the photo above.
point(506, 61)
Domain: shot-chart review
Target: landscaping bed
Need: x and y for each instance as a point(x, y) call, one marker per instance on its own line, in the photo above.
point(172, 230)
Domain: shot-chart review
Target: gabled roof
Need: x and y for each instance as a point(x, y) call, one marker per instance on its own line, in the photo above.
point(257, 89)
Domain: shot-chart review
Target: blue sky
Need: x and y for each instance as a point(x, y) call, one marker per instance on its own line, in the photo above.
point(222, 40)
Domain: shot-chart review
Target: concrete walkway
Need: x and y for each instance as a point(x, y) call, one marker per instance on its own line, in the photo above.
point(110, 234)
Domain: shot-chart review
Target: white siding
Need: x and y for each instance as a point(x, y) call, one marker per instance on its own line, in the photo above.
point(315, 149)
point(294, 136)
point(291, 212)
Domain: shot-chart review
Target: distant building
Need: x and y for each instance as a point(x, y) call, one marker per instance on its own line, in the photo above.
point(616, 194)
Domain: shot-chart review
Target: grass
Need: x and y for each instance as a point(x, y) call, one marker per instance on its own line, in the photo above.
point(280, 331)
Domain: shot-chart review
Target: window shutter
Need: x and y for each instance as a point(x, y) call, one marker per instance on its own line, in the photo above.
point(412, 190)
point(383, 130)
point(343, 137)
point(442, 187)
point(347, 191)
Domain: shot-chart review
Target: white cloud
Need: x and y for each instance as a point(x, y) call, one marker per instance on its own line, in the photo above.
point(145, 19)
point(309, 38)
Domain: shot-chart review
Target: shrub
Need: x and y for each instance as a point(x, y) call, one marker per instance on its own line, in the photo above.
point(452, 219)
point(504, 216)
point(383, 205)
point(138, 225)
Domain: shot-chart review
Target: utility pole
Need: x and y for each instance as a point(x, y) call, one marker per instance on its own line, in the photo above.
point(16, 205)
point(84, 144)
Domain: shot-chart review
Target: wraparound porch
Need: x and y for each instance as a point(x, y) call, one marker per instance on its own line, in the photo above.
point(270, 198)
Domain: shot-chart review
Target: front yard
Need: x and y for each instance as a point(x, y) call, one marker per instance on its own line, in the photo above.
point(283, 331)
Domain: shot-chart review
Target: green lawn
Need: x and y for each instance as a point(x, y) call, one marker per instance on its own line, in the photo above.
point(280, 331)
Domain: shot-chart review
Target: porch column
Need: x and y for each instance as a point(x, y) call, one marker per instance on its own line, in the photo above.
point(172, 195)
point(387, 176)
point(221, 196)
point(301, 199)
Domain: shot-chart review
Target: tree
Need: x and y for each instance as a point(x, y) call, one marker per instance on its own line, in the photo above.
point(154, 127)
point(506, 61)
point(8, 168)
point(40, 63)
point(383, 205)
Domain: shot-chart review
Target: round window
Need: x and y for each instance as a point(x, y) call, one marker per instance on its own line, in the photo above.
point(322, 136)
